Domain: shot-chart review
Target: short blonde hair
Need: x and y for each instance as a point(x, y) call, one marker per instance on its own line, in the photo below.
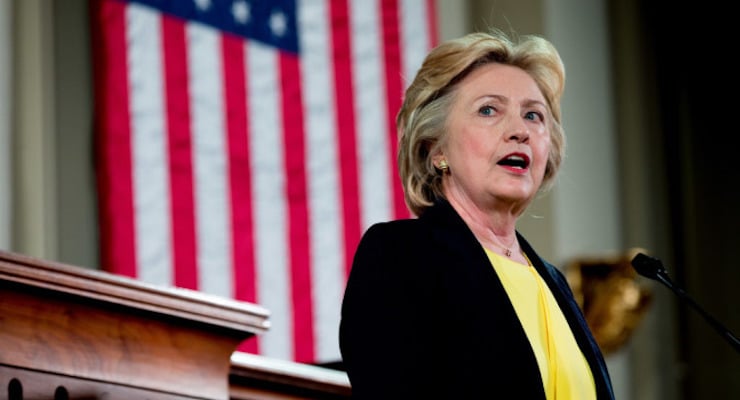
point(421, 122)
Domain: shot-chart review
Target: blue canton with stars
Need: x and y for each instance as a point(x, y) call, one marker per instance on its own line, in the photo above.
point(270, 22)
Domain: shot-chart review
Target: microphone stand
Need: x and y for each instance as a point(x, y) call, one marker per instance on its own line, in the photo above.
point(652, 268)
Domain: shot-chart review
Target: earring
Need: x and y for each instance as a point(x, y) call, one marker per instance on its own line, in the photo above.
point(443, 166)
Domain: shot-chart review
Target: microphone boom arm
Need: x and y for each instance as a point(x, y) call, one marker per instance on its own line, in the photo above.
point(653, 268)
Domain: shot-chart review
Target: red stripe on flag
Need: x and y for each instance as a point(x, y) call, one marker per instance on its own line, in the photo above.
point(433, 27)
point(237, 131)
point(346, 132)
point(113, 130)
point(300, 256)
point(174, 48)
point(389, 21)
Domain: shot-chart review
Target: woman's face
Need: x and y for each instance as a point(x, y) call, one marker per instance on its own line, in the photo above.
point(498, 138)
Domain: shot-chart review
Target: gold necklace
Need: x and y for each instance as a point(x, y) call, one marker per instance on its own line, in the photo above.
point(507, 250)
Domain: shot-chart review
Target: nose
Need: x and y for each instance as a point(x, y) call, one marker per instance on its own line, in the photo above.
point(518, 131)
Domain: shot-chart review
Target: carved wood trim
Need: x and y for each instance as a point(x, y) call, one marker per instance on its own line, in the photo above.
point(93, 330)
point(114, 289)
point(257, 377)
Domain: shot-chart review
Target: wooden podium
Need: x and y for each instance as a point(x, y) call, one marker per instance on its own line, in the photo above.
point(72, 333)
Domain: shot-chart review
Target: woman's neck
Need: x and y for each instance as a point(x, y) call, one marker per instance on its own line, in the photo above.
point(495, 228)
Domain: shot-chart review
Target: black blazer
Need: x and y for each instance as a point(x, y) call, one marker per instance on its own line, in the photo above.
point(425, 316)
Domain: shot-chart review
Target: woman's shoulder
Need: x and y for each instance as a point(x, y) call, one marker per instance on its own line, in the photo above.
point(398, 226)
point(394, 238)
point(405, 231)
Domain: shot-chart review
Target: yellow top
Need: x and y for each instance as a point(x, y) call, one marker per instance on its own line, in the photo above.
point(565, 371)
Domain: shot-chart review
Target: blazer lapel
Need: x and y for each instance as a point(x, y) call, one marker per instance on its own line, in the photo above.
point(572, 312)
point(476, 281)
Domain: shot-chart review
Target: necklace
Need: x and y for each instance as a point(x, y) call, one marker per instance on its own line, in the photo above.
point(507, 250)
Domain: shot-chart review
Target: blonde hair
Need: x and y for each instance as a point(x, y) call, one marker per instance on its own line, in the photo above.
point(421, 122)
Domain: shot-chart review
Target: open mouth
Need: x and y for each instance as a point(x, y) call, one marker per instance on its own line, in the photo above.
point(515, 160)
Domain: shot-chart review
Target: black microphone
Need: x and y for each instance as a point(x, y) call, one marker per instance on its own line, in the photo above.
point(652, 268)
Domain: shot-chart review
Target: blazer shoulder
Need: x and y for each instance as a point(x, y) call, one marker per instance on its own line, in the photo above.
point(399, 232)
point(391, 246)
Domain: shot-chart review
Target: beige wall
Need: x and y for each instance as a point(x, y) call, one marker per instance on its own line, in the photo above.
point(34, 140)
point(52, 182)
point(77, 220)
point(6, 129)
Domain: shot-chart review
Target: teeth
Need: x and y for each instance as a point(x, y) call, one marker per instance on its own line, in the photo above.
point(514, 161)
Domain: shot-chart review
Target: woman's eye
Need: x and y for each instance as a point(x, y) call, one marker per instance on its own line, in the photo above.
point(534, 116)
point(486, 111)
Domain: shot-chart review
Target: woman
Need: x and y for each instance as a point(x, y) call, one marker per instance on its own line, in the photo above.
point(455, 303)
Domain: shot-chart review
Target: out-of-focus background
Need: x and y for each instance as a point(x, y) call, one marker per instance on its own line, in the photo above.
point(650, 116)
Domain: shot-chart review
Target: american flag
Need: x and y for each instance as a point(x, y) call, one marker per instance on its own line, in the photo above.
point(243, 146)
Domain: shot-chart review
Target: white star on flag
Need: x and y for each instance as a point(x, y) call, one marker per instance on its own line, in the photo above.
point(278, 24)
point(240, 10)
point(203, 5)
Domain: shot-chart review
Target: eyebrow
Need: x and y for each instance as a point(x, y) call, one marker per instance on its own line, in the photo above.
point(505, 100)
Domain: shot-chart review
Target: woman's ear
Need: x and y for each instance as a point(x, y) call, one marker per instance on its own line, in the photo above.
point(437, 159)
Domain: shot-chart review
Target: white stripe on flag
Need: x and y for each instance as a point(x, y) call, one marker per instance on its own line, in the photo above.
point(414, 36)
point(370, 109)
point(272, 252)
point(150, 175)
point(209, 158)
point(327, 255)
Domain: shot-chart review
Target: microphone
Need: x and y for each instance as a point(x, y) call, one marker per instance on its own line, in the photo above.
point(652, 268)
